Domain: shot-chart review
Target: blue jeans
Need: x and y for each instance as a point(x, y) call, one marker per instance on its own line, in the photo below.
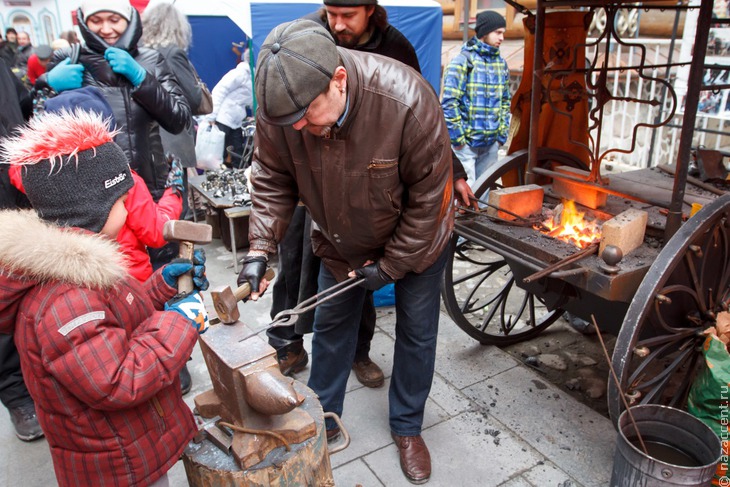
point(476, 160)
point(336, 325)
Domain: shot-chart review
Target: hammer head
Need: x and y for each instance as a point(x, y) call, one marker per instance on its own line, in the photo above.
point(185, 231)
point(226, 304)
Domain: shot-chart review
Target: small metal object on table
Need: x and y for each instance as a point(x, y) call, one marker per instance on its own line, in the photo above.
point(232, 214)
point(196, 184)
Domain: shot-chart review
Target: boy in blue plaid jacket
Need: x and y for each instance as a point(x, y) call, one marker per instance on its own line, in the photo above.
point(476, 99)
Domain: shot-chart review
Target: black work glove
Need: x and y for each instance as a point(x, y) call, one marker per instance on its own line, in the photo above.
point(252, 272)
point(374, 276)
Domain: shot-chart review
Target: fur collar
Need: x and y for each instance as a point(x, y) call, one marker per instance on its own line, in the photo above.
point(44, 252)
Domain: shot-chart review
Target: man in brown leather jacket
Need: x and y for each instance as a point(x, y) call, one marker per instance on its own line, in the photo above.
point(361, 141)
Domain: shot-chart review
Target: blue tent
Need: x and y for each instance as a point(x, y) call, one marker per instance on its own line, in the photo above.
point(219, 23)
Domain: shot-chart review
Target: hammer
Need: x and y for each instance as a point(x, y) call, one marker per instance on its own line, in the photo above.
point(188, 234)
point(226, 301)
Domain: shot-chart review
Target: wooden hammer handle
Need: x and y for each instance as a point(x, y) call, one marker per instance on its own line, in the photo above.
point(185, 282)
point(245, 289)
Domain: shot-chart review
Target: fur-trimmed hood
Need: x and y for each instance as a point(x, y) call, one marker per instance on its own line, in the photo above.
point(43, 252)
point(34, 252)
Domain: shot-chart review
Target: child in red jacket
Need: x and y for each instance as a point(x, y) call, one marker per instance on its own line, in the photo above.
point(99, 352)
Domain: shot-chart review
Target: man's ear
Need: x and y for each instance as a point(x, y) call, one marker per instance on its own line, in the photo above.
point(340, 78)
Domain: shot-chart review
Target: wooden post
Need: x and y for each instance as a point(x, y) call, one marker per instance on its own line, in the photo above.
point(459, 9)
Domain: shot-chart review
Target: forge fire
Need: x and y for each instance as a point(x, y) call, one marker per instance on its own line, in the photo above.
point(571, 225)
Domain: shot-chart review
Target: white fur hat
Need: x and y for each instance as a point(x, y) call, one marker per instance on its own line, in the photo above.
point(121, 7)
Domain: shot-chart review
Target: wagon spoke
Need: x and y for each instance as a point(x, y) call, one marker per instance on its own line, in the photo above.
point(653, 390)
point(678, 334)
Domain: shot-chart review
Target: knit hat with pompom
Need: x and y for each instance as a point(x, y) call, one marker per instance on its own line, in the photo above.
point(72, 170)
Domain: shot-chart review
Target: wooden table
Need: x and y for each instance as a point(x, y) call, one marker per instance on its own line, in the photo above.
point(224, 204)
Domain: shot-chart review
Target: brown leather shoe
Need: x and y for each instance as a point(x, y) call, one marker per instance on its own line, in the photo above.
point(294, 361)
point(333, 435)
point(368, 373)
point(415, 461)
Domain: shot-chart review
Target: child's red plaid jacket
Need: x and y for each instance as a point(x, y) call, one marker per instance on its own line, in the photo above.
point(99, 358)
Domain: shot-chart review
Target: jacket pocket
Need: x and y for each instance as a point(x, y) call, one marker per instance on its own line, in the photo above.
point(384, 186)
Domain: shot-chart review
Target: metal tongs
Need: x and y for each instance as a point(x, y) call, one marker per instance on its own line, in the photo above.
point(290, 316)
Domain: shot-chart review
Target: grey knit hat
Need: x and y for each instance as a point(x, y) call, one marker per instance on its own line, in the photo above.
point(72, 170)
point(296, 64)
point(489, 21)
point(349, 3)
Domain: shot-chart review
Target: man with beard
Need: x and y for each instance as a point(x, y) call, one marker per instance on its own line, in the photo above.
point(363, 25)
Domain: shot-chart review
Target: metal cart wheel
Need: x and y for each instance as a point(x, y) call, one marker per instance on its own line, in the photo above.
point(658, 349)
point(479, 290)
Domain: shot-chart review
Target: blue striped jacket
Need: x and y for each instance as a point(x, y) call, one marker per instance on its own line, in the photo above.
point(476, 99)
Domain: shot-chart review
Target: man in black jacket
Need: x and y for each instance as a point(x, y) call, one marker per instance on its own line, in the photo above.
point(16, 103)
point(361, 25)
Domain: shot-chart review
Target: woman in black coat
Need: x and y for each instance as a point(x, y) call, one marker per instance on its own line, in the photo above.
point(137, 83)
point(167, 30)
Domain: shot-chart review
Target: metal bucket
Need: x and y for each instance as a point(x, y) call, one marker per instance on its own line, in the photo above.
point(682, 449)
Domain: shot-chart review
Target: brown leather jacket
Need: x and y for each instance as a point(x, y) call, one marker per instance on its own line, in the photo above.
point(379, 188)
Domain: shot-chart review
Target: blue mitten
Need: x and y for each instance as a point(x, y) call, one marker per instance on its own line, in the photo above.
point(175, 269)
point(123, 63)
point(66, 76)
point(192, 308)
point(175, 176)
point(199, 279)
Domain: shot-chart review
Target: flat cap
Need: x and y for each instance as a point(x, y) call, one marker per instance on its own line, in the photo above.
point(296, 64)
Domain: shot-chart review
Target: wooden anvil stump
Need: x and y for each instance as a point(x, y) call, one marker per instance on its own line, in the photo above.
point(307, 464)
point(250, 392)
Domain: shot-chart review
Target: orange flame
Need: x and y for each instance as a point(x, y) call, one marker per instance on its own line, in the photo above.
point(572, 227)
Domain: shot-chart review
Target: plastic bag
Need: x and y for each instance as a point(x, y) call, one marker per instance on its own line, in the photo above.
point(708, 398)
point(209, 147)
point(385, 296)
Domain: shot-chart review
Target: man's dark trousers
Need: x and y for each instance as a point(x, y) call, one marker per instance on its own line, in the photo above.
point(13, 392)
point(336, 325)
point(296, 280)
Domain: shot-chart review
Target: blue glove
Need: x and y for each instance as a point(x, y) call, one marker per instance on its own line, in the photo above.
point(175, 269)
point(192, 308)
point(199, 279)
point(178, 267)
point(175, 176)
point(123, 63)
point(66, 76)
